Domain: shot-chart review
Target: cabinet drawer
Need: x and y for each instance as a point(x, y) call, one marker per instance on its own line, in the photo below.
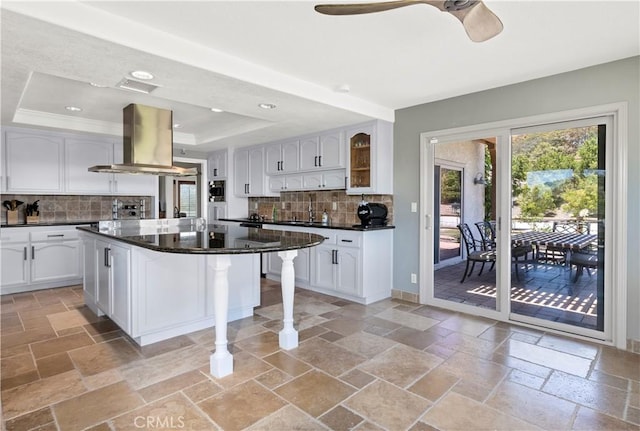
point(15, 234)
point(328, 235)
point(349, 239)
point(54, 235)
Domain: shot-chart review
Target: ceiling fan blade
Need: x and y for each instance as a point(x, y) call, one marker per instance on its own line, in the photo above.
point(479, 22)
point(360, 8)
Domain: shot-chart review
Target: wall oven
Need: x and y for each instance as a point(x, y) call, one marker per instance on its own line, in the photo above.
point(217, 191)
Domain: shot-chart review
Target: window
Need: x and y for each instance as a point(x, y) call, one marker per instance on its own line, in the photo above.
point(188, 198)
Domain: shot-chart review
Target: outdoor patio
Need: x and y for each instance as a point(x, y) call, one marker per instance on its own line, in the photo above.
point(544, 291)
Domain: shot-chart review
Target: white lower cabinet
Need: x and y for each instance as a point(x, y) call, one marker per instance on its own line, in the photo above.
point(354, 265)
point(113, 283)
point(153, 296)
point(39, 258)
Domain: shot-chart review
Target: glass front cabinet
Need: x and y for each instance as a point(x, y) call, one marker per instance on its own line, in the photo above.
point(370, 158)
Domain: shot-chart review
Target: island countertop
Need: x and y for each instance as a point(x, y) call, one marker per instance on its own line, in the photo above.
point(209, 238)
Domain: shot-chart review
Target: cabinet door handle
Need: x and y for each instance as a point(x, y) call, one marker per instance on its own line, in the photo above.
point(106, 257)
point(25, 252)
point(345, 182)
point(315, 161)
point(319, 160)
point(215, 172)
point(33, 253)
point(346, 240)
point(56, 235)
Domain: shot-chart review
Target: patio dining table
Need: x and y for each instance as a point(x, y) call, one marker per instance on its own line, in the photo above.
point(568, 241)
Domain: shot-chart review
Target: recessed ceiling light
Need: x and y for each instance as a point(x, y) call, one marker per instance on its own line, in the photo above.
point(73, 108)
point(141, 74)
point(216, 110)
point(267, 105)
point(95, 84)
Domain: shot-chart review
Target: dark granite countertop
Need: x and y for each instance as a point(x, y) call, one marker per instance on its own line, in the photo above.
point(53, 223)
point(212, 239)
point(301, 223)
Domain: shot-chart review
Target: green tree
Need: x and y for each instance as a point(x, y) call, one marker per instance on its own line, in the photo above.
point(581, 194)
point(535, 201)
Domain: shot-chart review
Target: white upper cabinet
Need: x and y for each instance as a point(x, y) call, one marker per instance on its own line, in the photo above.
point(50, 163)
point(33, 162)
point(282, 158)
point(79, 155)
point(248, 172)
point(322, 152)
point(217, 165)
point(370, 158)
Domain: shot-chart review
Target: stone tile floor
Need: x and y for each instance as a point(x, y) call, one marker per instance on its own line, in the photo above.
point(391, 365)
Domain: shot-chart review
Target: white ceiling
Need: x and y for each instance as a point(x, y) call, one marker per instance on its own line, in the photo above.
point(234, 55)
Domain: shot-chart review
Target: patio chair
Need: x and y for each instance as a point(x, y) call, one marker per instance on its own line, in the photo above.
point(475, 251)
point(557, 255)
point(586, 258)
point(487, 231)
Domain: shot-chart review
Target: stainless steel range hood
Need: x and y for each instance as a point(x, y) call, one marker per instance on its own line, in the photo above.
point(148, 144)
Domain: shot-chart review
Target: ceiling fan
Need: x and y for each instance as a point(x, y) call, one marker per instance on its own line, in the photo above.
point(479, 22)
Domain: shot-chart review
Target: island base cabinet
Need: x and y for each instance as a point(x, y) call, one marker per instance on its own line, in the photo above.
point(153, 296)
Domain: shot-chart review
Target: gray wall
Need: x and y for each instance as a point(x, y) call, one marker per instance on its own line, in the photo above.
point(618, 81)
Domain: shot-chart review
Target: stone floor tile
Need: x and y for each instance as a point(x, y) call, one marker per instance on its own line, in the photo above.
point(344, 325)
point(407, 319)
point(104, 378)
point(357, 378)
point(41, 393)
point(434, 384)
point(27, 337)
point(413, 337)
point(526, 379)
point(201, 391)
point(241, 406)
point(619, 363)
point(456, 412)
point(260, 345)
point(175, 412)
point(483, 372)
point(72, 318)
point(97, 358)
point(31, 420)
point(401, 365)
point(60, 344)
point(588, 393)
point(590, 420)
point(581, 348)
point(326, 356)
point(102, 326)
point(171, 385)
point(469, 325)
point(387, 405)
point(287, 418)
point(546, 357)
point(19, 380)
point(341, 419)
point(94, 407)
point(273, 378)
point(546, 411)
point(16, 365)
point(287, 363)
point(315, 392)
point(465, 343)
point(54, 364)
point(365, 344)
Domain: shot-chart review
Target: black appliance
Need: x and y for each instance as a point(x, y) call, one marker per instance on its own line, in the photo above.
point(216, 191)
point(372, 214)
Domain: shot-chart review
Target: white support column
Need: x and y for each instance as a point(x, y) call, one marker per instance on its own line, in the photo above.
point(288, 335)
point(221, 361)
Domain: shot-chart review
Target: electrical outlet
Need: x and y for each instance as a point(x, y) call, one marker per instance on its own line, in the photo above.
point(283, 205)
point(334, 206)
point(414, 278)
point(255, 205)
point(414, 207)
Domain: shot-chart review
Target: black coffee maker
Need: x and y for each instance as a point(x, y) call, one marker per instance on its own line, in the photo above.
point(372, 214)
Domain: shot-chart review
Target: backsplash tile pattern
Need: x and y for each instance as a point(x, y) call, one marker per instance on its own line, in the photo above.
point(296, 205)
point(67, 208)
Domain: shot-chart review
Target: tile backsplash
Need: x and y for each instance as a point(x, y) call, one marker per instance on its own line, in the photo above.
point(296, 205)
point(66, 208)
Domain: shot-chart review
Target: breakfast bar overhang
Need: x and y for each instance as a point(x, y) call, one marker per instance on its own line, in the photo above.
point(222, 246)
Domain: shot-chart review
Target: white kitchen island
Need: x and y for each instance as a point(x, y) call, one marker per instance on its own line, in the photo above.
point(158, 279)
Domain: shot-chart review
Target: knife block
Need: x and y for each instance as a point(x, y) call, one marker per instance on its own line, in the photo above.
point(33, 219)
point(12, 217)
